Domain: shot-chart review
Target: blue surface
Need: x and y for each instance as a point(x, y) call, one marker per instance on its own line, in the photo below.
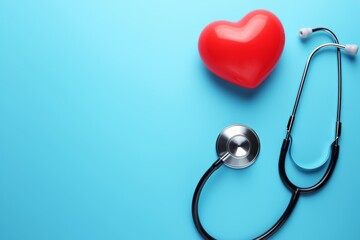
point(109, 119)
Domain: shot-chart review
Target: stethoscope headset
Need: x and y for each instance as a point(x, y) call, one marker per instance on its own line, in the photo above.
point(238, 145)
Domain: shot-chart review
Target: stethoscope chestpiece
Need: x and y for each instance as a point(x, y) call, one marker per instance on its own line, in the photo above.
point(238, 146)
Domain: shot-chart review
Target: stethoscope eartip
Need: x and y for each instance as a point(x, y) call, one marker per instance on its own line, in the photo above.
point(351, 49)
point(305, 32)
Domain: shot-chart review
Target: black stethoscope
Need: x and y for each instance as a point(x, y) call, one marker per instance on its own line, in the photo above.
point(238, 145)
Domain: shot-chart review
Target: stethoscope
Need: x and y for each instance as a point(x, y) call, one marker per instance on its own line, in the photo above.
point(238, 145)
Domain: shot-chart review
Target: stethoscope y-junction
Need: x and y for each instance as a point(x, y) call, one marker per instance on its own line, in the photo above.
point(238, 145)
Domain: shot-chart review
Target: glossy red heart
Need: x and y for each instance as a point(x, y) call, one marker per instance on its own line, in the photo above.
point(243, 52)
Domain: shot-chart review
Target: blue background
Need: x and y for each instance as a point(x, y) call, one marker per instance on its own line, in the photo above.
point(109, 119)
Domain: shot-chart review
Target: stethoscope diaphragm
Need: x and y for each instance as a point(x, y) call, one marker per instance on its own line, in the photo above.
point(238, 145)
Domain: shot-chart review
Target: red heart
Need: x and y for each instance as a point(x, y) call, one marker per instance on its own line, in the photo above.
point(243, 52)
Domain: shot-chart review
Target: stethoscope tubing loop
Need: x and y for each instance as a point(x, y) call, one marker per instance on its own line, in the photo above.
point(296, 191)
point(335, 148)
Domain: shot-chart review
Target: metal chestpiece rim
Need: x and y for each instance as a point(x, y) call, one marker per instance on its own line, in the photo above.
point(239, 146)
